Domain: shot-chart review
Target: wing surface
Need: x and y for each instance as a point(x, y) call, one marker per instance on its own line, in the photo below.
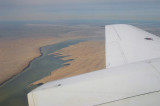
point(129, 80)
point(126, 44)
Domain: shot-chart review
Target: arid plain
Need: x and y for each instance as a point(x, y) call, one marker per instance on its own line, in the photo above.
point(86, 57)
point(17, 51)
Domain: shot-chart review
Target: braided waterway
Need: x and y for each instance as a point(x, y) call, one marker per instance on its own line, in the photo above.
point(14, 91)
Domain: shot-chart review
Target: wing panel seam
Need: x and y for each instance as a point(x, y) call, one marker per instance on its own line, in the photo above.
point(120, 48)
point(127, 98)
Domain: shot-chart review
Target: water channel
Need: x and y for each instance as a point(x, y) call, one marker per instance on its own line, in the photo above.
point(14, 91)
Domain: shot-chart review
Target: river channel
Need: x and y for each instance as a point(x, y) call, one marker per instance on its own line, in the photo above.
point(14, 91)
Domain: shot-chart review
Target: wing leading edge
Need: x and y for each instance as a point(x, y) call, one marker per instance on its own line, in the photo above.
point(132, 77)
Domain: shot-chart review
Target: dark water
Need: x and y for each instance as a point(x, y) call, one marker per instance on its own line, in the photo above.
point(14, 92)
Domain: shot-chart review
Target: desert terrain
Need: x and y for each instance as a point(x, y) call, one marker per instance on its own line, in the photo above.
point(86, 57)
point(15, 55)
point(20, 45)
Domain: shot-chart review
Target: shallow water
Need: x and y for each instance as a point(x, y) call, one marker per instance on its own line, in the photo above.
point(14, 91)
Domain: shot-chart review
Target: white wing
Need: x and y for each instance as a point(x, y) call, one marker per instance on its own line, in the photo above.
point(127, 44)
point(132, 76)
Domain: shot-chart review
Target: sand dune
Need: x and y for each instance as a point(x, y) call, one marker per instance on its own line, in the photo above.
point(87, 56)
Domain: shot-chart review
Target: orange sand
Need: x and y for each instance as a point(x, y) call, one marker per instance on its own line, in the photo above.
point(88, 56)
point(15, 55)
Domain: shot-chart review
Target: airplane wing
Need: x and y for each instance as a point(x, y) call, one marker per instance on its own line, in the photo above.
point(127, 44)
point(131, 77)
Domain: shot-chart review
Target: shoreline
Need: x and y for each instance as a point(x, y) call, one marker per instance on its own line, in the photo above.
point(23, 70)
point(16, 89)
point(32, 51)
point(40, 53)
point(27, 64)
point(80, 60)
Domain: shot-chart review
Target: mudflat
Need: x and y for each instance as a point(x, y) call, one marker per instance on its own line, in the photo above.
point(86, 57)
